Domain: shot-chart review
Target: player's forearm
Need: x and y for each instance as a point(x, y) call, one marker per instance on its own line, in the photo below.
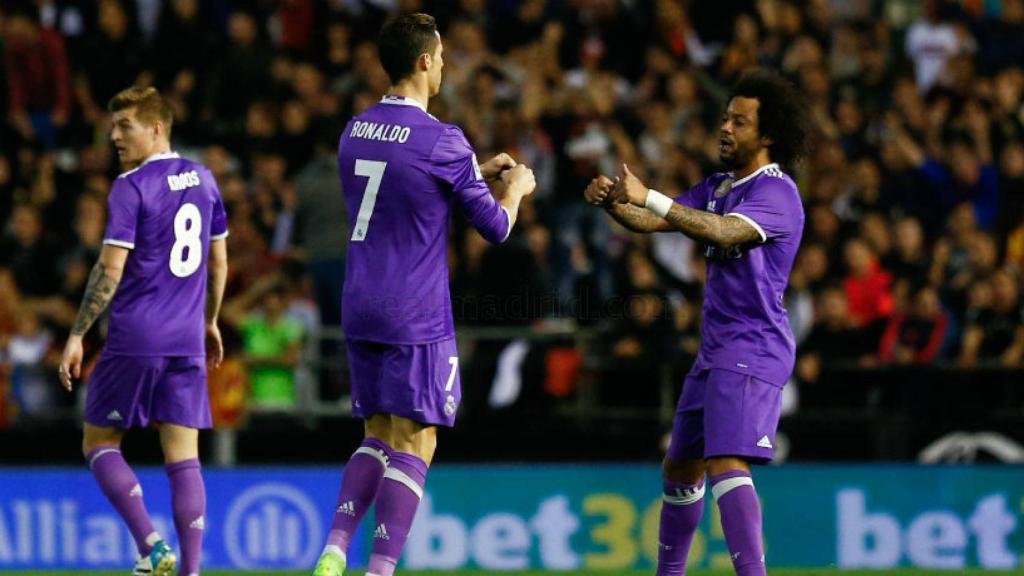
point(99, 291)
point(710, 228)
point(635, 218)
point(215, 291)
point(510, 202)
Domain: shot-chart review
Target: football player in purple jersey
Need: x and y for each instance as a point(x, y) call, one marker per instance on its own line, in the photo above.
point(750, 220)
point(161, 271)
point(402, 172)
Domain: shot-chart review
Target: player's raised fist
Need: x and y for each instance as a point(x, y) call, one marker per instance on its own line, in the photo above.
point(493, 167)
point(519, 180)
point(599, 191)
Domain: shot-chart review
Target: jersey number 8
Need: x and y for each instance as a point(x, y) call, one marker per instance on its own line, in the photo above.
point(187, 251)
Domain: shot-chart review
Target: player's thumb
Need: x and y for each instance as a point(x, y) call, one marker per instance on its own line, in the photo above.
point(75, 368)
point(626, 172)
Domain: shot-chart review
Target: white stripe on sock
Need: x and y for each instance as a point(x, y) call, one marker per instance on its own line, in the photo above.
point(378, 454)
point(691, 497)
point(101, 453)
point(725, 486)
point(152, 539)
point(399, 476)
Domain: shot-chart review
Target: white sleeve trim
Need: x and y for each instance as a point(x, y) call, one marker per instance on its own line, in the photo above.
point(220, 236)
point(508, 218)
point(749, 220)
point(120, 243)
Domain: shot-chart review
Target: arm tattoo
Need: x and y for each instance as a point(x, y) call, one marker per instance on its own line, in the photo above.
point(98, 294)
point(635, 218)
point(711, 228)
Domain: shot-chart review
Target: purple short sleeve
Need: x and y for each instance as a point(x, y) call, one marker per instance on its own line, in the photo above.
point(455, 164)
point(774, 210)
point(219, 219)
point(122, 214)
point(696, 197)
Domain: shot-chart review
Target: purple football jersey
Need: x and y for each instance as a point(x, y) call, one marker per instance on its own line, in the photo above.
point(401, 170)
point(746, 328)
point(166, 211)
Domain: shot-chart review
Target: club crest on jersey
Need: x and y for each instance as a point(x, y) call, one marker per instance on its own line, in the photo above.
point(723, 188)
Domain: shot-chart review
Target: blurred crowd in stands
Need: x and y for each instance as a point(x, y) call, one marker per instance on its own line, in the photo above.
point(914, 190)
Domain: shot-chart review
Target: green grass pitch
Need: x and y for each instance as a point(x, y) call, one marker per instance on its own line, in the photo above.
point(773, 572)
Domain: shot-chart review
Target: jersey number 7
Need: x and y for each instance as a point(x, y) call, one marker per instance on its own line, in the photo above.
point(374, 170)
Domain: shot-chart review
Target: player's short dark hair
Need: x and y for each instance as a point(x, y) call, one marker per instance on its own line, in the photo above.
point(780, 115)
point(401, 42)
point(149, 105)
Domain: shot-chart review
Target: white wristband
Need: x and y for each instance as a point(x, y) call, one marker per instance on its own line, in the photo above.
point(658, 203)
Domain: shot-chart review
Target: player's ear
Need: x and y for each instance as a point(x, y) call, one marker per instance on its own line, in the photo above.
point(766, 141)
point(424, 62)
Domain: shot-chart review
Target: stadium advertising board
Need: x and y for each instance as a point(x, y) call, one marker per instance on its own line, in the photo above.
point(555, 517)
point(256, 518)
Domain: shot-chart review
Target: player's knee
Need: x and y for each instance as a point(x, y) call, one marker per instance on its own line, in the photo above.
point(723, 464)
point(94, 438)
point(683, 471)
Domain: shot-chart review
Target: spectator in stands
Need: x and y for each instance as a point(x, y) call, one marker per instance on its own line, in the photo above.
point(321, 231)
point(116, 59)
point(37, 74)
point(272, 342)
point(868, 286)
point(29, 254)
point(835, 338)
point(932, 41)
point(995, 328)
point(915, 337)
point(32, 357)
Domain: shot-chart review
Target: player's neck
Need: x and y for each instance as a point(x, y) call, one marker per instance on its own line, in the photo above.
point(759, 161)
point(410, 88)
point(160, 148)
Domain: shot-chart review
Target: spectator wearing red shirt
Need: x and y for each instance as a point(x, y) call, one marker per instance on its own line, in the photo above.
point(39, 83)
point(868, 286)
point(915, 337)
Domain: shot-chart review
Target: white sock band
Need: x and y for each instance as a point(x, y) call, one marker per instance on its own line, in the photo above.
point(378, 454)
point(658, 203)
point(725, 486)
point(684, 497)
point(97, 455)
point(399, 476)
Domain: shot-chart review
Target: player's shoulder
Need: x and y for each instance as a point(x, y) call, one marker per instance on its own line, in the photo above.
point(451, 143)
point(773, 177)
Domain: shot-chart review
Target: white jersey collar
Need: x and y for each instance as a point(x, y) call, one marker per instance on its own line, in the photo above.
point(157, 156)
point(748, 177)
point(403, 101)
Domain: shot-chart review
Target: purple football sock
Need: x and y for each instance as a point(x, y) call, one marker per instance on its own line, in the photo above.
point(122, 488)
point(360, 483)
point(399, 496)
point(681, 510)
point(741, 521)
point(188, 500)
